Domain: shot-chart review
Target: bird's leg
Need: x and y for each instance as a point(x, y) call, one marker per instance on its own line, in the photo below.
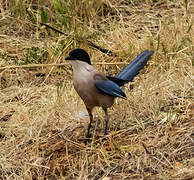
point(90, 123)
point(106, 121)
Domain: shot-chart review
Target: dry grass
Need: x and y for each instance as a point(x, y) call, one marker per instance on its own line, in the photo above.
point(42, 120)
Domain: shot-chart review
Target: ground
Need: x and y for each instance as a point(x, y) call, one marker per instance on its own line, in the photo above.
point(43, 121)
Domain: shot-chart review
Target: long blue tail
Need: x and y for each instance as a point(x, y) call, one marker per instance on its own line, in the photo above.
point(129, 72)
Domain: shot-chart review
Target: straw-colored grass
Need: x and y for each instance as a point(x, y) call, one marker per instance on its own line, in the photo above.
point(43, 121)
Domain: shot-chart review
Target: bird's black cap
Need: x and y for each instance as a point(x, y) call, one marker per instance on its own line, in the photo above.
point(79, 54)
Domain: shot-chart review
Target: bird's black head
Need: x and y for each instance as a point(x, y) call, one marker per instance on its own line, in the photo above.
point(79, 54)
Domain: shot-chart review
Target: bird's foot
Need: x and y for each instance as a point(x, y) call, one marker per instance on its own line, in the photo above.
point(88, 136)
point(105, 138)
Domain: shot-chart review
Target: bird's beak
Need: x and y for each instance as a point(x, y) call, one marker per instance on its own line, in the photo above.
point(68, 58)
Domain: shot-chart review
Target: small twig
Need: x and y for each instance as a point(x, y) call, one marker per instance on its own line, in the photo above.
point(48, 65)
point(31, 66)
point(144, 146)
point(75, 143)
point(90, 44)
point(54, 29)
point(106, 51)
point(38, 165)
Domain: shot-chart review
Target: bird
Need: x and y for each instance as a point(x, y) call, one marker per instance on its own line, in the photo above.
point(97, 89)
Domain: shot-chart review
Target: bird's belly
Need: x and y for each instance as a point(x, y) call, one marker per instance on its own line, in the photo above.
point(92, 96)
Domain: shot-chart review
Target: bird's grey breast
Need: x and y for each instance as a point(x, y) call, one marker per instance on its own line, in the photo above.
point(83, 77)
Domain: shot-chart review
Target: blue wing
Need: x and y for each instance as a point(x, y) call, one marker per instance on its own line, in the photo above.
point(110, 88)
